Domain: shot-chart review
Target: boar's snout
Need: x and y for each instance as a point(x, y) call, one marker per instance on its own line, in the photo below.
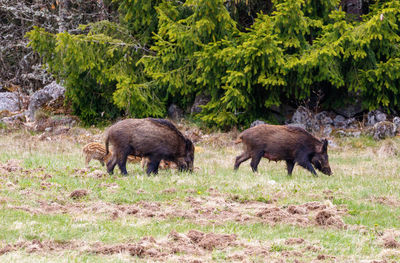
point(190, 166)
point(320, 161)
point(189, 158)
point(326, 170)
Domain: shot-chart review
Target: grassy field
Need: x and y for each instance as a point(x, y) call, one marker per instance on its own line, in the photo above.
point(212, 214)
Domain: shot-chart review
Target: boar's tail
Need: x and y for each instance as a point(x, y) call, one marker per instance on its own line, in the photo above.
point(107, 140)
point(239, 140)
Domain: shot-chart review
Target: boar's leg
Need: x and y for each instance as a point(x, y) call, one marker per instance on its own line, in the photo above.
point(102, 162)
point(88, 159)
point(123, 156)
point(306, 164)
point(289, 166)
point(255, 160)
point(111, 164)
point(241, 158)
point(122, 163)
point(152, 166)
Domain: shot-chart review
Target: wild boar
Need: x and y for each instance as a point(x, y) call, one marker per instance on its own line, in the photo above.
point(155, 139)
point(278, 142)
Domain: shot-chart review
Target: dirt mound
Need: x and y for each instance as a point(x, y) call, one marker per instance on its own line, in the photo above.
point(97, 174)
point(201, 210)
point(390, 238)
point(133, 249)
point(329, 217)
point(195, 236)
point(390, 242)
point(193, 243)
point(37, 245)
point(325, 214)
point(211, 240)
point(11, 165)
point(78, 193)
point(273, 214)
point(169, 191)
point(297, 210)
point(386, 200)
point(293, 241)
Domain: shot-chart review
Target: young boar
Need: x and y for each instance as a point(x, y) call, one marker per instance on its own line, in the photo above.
point(277, 142)
point(97, 151)
point(163, 164)
point(155, 139)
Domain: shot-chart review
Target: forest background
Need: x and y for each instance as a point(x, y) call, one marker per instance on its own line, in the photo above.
point(247, 59)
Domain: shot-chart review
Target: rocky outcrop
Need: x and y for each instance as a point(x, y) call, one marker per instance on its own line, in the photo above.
point(384, 129)
point(324, 123)
point(9, 101)
point(374, 117)
point(49, 93)
point(303, 118)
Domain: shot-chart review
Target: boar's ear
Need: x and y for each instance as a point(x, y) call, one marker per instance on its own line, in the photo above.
point(325, 145)
point(322, 148)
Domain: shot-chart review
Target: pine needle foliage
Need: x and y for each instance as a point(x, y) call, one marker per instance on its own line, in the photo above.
point(170, 51)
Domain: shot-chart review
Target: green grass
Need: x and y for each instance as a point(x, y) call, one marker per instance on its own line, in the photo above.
point(359, 175)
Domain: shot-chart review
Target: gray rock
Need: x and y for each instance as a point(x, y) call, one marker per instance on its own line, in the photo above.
point(17, 117)
point(375, 116)
point(48, 94)
point(384, 129)
point(174, 112)
point(344, 133)
point(327, 130)
point(323, 118)
point(256, 122)
point(339, 121)
point(9, 101)
point(351, 123)
point(199, 101)
point(304, 117)
point(396, 122)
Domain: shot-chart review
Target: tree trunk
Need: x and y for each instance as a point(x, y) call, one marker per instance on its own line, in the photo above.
point(62, 13)
point(102, 10)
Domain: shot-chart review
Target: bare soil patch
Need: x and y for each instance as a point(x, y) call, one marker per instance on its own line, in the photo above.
point(14, 166)
point(205, 210)
point(79, 193)
point(390, 239)
point(311, 213)
point(194, 246)
point(386, 200)
point(11, 165)
point(39, 246)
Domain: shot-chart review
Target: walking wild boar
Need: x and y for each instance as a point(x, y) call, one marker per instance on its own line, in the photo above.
point(155, 139)
point(277, 142)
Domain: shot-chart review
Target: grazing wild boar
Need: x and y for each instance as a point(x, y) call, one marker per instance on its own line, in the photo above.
point(278, 142)
point(155, 139)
